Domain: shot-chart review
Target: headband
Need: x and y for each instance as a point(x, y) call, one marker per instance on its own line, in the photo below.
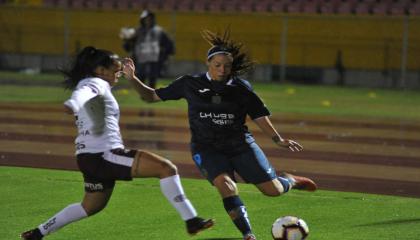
point(217, 50)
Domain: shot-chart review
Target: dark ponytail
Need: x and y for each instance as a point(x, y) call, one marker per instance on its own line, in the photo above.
point(84, 65)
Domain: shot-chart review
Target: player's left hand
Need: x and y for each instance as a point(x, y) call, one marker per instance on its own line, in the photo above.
point(290, 144)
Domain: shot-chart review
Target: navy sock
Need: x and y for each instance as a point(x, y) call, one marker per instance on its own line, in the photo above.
point(237, 212)
point(285, 183)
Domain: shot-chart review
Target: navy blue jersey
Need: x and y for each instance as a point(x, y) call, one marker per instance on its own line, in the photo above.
point(217, 111)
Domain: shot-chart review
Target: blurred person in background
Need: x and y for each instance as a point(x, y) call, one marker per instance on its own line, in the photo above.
point(219, 102)
point(149, 46)
point(101, 156)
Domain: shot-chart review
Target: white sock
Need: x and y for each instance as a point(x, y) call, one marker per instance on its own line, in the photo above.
point(172, 189)
point(71, 213)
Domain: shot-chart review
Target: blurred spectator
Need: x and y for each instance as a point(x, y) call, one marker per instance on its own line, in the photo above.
point(149, 46)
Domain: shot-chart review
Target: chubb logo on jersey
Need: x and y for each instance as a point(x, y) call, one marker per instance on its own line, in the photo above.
point(219, 118)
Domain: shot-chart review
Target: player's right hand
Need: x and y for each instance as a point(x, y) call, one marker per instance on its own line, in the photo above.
point(128, 68)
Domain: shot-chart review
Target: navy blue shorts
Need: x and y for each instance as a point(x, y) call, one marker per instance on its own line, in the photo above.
point(101, 170)
point(251, 164)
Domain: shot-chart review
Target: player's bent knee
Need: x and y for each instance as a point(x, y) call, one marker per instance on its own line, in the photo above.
point(93, 209)
point(148, 164)
point(168, 168)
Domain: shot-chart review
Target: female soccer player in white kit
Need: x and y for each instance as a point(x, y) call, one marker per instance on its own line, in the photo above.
point(101, 155)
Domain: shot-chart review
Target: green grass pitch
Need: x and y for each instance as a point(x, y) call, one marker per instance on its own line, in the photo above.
point(138, 210)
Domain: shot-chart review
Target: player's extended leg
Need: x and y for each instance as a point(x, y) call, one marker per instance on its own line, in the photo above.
point(274, 187)
point(233, 205)
point(147, 164)
point(299, 182)
point(92, 203)
point(284, 183)
point(255, 168)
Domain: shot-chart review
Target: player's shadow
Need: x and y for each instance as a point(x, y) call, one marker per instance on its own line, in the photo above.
point(389, 222)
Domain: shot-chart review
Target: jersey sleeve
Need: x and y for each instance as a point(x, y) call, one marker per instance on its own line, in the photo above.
point(84, 93)
point(256, 107)
point(174, 91)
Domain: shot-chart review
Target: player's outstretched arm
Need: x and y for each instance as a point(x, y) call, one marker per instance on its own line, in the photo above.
point(267, 127)
point(147, 93)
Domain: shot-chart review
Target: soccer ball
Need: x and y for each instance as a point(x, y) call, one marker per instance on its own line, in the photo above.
point(289, 228)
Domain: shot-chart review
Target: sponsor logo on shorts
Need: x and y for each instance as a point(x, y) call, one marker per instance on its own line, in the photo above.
point(94, 186)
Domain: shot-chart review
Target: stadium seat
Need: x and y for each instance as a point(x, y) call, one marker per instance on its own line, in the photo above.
point(345, 7)
point(328, 6)
point(153, 5)
point(414, 9)
point(230, 6)
point(107, 4)
point(170, 5)
point(293, 6)
point(91, 4)
point(123, 5)
point(145, 4)
point(199, 6)
point(262, 6)
point(277, 6)
point(77, 4)
point(63, 3)
point(183, 5)
point(362, 8)
point(46, 3)
point(310, 6)
point(215, 5)
point(246, 6)
point(397, 9)
point(380, 8)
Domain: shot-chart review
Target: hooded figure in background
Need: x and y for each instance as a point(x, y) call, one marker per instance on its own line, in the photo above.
point(149, 46)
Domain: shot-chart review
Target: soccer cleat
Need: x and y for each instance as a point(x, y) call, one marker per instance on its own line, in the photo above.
point(249, 236)
point(197, 224)
point(299, 182)
point(33, 234)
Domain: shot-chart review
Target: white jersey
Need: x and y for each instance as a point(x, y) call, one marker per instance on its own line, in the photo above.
point(97, 115)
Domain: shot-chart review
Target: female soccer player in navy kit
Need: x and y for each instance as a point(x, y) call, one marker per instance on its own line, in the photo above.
point(100, 152)
point(218, 104)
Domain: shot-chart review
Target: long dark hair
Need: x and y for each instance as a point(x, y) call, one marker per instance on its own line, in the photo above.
point(241, 61)
point(84, 65)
